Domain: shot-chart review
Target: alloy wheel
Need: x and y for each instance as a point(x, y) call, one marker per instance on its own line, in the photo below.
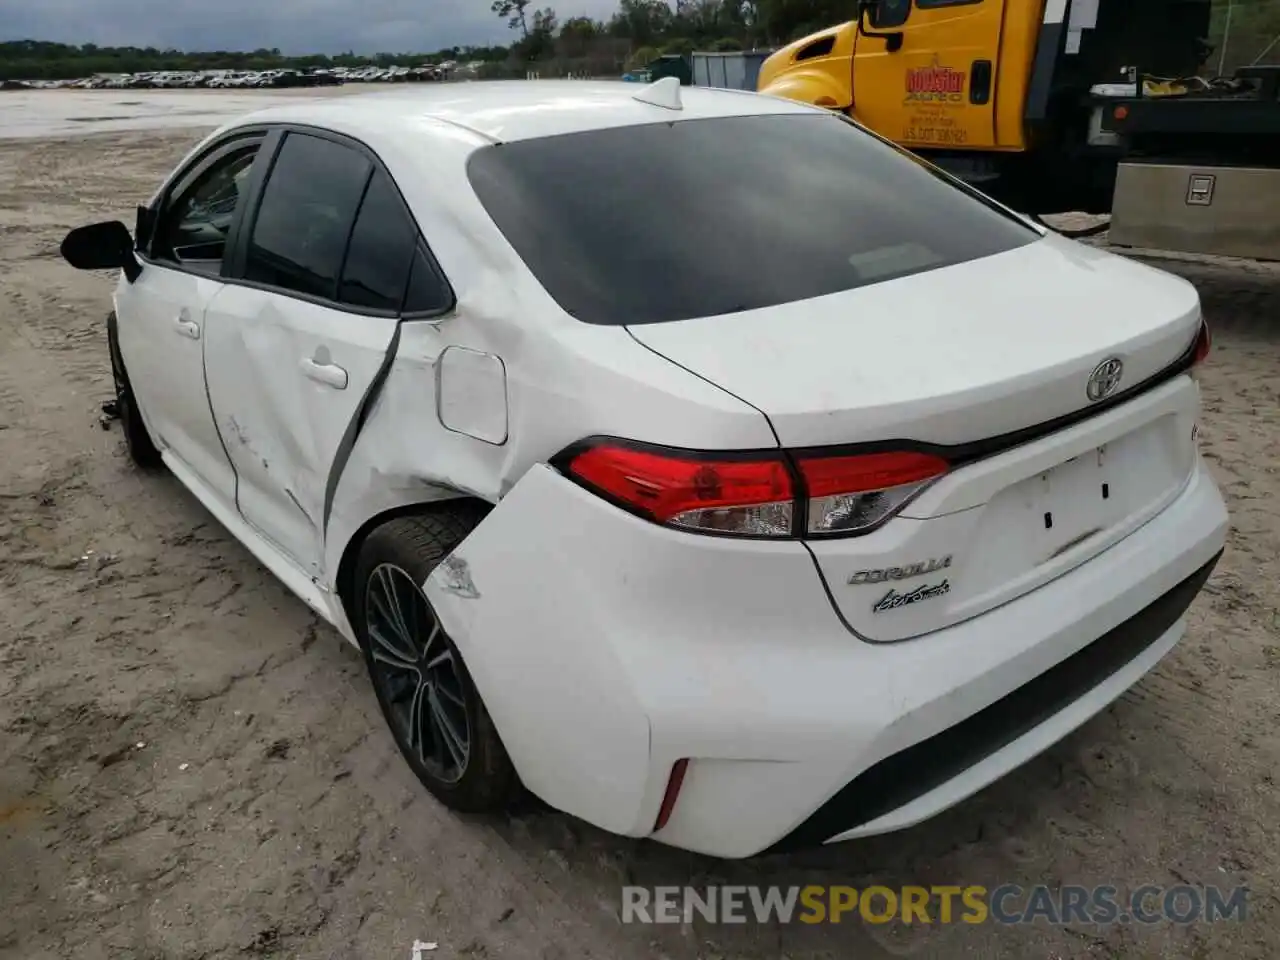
point(416, 671)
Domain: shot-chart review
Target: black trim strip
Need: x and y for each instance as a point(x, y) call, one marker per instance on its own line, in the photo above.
point(959, 454)
point(233, 256)
point(1173, 116)
point(335, 295)
point(911, 773)
point(997, 74)
point(352, 433)
point(1048, 48)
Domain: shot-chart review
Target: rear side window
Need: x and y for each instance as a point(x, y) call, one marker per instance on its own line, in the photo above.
point(428, 292)
point(382, 248)
point(696, 218)
point(306, 215)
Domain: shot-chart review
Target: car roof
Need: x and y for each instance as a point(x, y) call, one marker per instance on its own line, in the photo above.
point(510, 110)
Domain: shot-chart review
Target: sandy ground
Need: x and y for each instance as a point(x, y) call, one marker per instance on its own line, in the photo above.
point(192, 767)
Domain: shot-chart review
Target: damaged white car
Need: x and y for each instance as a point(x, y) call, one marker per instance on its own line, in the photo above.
point(696, 460)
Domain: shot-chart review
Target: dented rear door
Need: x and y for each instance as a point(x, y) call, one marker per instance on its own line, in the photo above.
point(300, 339)
point(286, 380)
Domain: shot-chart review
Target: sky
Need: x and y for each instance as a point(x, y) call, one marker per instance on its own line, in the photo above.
point(295, 26)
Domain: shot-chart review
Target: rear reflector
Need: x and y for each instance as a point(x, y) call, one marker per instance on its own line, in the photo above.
point(1204, 343)
point(674, 783)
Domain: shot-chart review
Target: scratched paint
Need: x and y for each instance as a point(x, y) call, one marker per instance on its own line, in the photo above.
point(454, 575)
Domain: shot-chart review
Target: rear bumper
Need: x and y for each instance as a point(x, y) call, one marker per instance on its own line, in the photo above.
point(925, 777)
point(608, 648)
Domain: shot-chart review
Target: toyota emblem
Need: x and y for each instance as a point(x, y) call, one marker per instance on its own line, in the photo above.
point(1105, 379)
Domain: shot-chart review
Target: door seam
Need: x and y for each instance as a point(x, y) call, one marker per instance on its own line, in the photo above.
point(208, 397)
point(353, 430)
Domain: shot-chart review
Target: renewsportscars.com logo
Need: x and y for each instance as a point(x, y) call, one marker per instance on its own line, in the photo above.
point(972, 904)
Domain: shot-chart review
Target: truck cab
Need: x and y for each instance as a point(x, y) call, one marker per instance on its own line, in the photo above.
point(923, 73)
point(996, 91)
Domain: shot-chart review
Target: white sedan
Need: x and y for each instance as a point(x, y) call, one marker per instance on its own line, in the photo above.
point(693, 459)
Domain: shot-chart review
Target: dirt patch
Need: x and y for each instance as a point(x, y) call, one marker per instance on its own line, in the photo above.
point(192, 766)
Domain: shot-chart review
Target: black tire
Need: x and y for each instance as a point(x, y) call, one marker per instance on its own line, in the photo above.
point(403, 552)
point(136, 439)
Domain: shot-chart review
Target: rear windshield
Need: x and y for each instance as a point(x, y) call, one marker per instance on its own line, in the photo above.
point(697, 218)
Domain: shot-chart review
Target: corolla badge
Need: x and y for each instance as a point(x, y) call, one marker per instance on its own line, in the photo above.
point(905, 572)
point(1105, 379)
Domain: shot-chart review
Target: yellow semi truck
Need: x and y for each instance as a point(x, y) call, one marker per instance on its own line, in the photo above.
point(1049, 104)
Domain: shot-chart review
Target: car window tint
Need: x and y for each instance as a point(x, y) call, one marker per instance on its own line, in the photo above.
point(698, 218)
point(382, 246)
point(306, 214)
point(428, 292)
point(195, 227)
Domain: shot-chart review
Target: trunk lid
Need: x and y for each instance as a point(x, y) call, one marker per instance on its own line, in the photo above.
point(956, 355)
point(959, 356)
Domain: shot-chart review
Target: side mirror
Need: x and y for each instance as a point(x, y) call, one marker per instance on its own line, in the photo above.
point(867, 10)
point(143, 225)
point(102, 246)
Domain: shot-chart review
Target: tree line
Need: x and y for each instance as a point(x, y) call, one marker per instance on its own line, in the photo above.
point(638, 31)
point(646, 28)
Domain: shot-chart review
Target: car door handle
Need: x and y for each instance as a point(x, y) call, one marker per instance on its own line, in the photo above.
point(188, 328)
point(330, 374)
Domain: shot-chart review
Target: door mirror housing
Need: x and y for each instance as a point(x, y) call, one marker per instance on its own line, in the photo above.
point(102, 246)
point(143, 226)
point(867, 10)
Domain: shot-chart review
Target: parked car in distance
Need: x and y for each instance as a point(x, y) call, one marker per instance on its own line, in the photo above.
point(740, 512)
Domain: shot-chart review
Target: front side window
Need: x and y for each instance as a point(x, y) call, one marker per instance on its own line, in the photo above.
point(888, 14)
point(194, 229)
point(697, 218)
point(306, 215)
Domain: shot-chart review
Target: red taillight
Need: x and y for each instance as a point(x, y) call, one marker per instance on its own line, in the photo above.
point(1204, 343)
point(744, 496)
point(856, 494)
point(674, 783)
point(871, 471)
point(753, 495)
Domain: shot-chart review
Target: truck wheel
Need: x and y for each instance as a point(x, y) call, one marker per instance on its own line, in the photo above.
point(427, 697)
point(136, 439)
